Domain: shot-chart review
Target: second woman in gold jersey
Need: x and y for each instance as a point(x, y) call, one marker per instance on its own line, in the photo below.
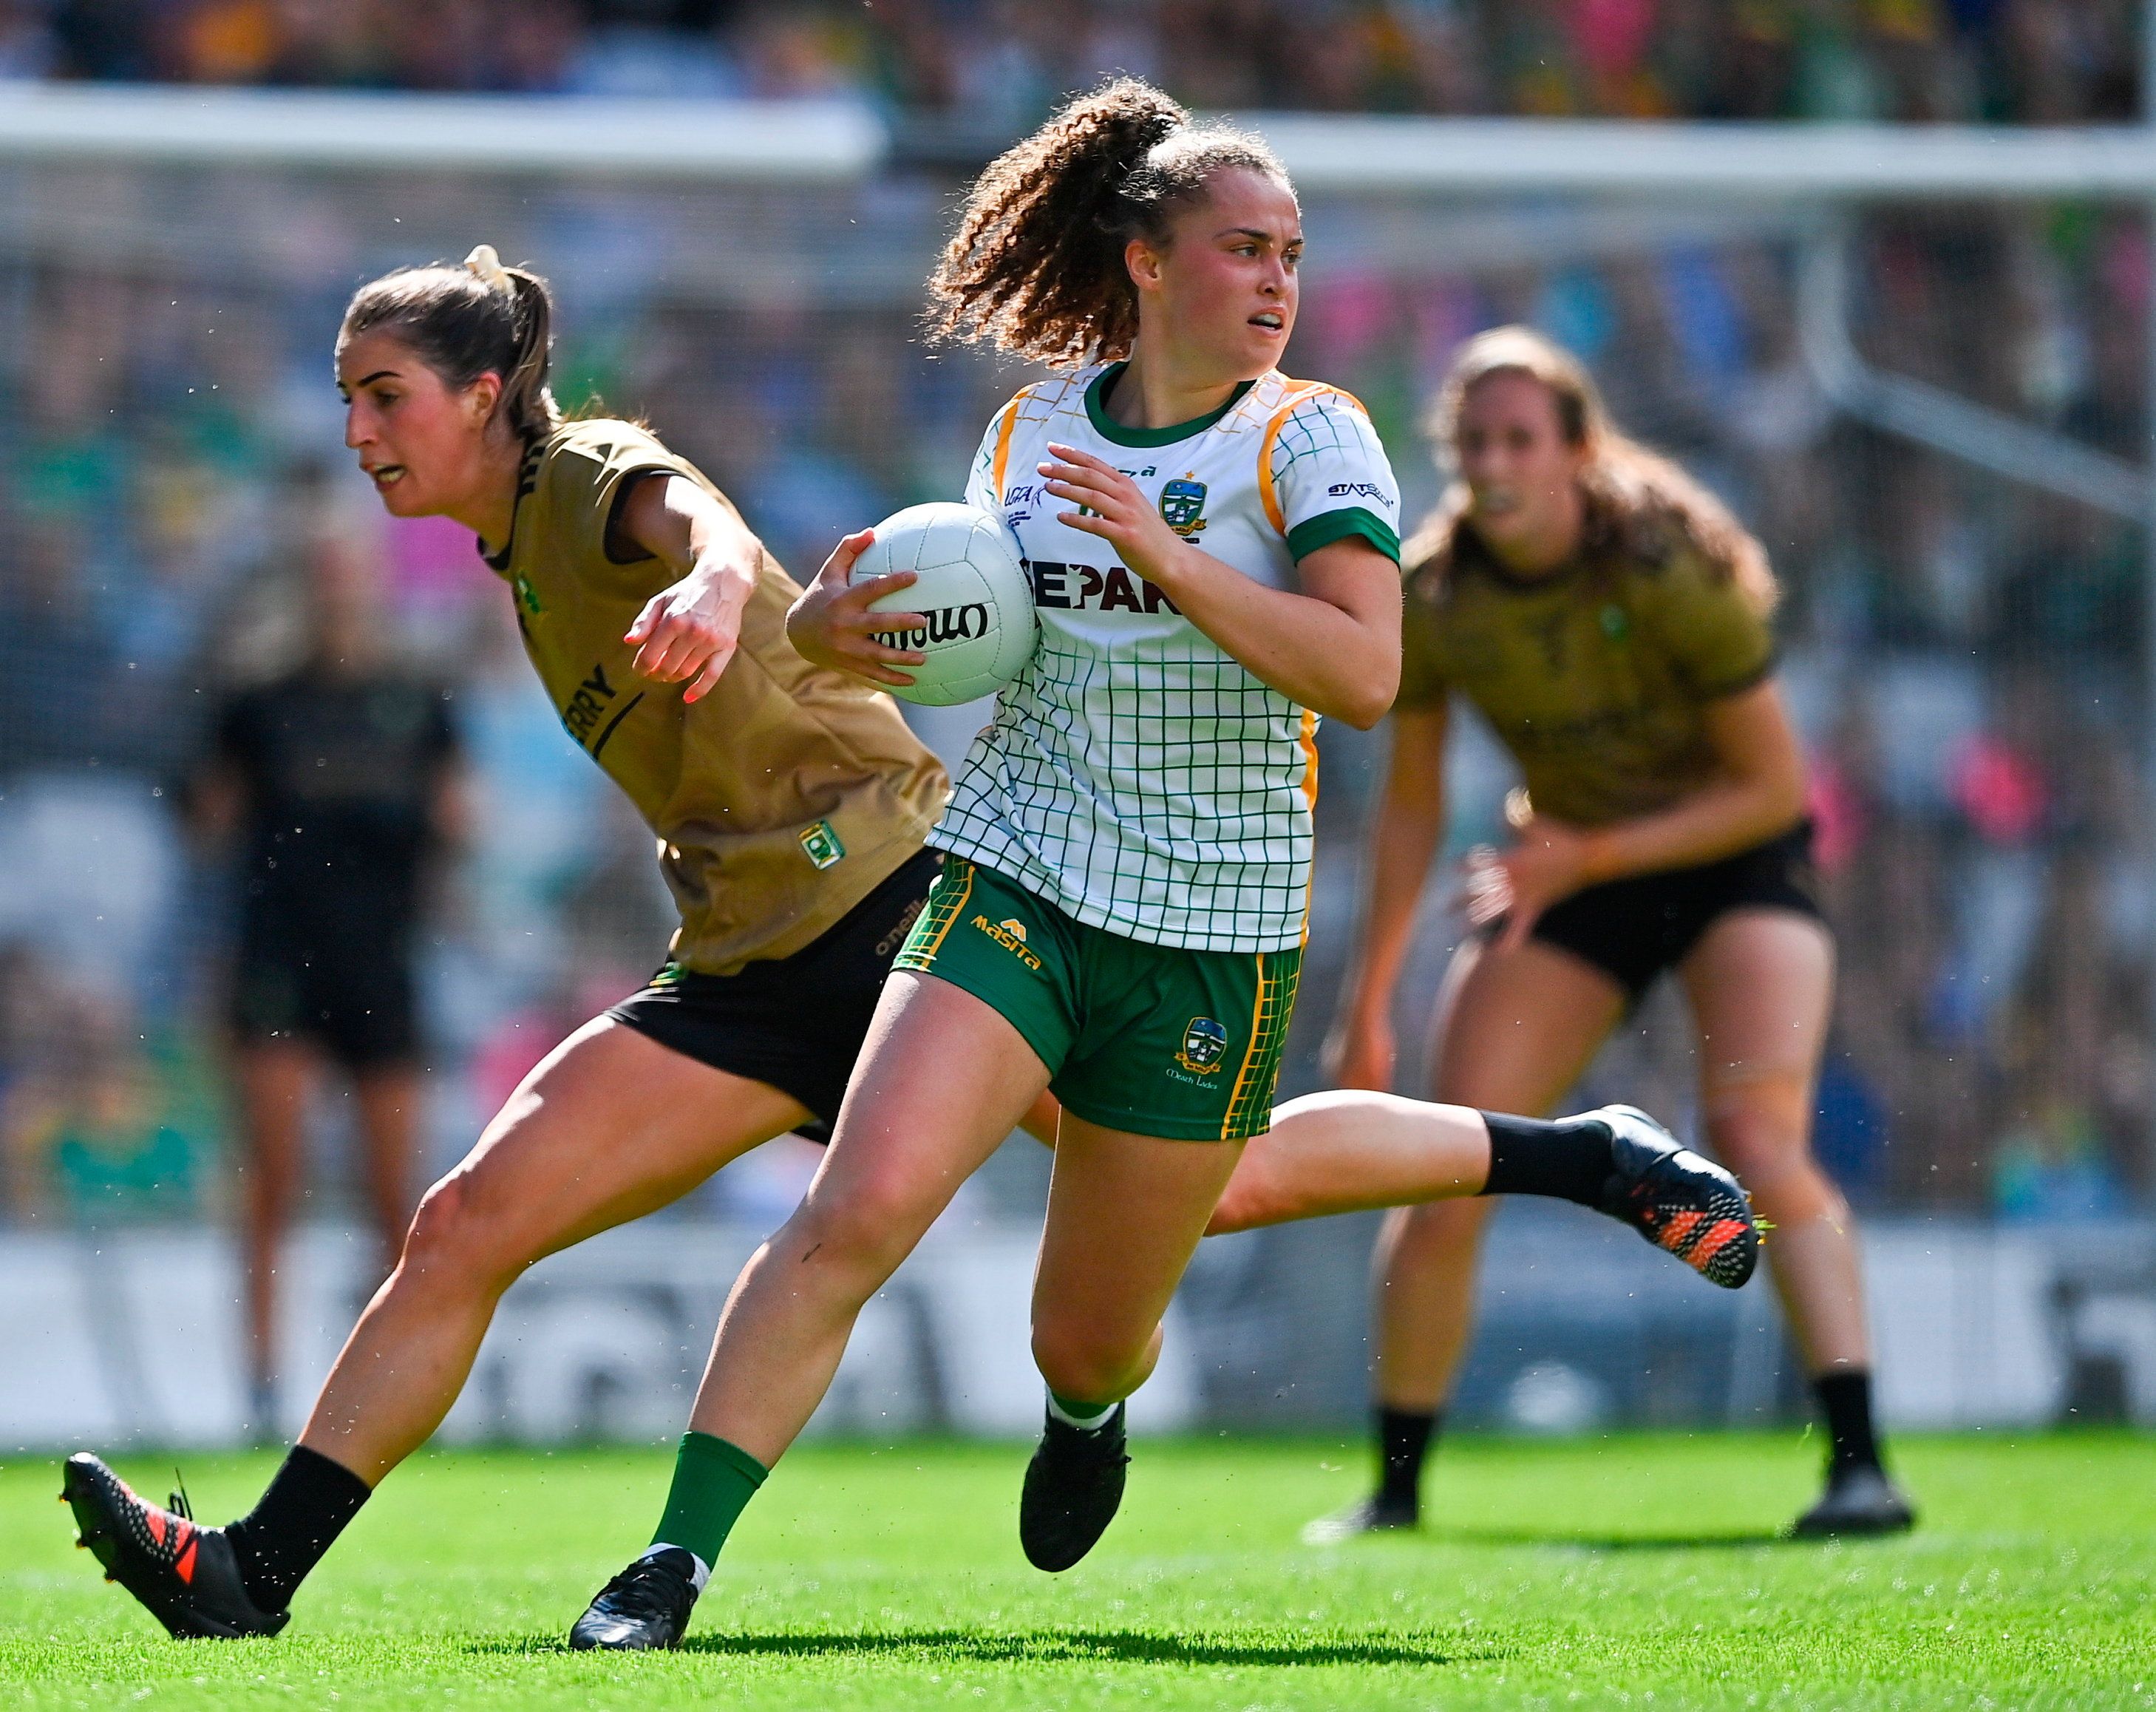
point(1610, 619)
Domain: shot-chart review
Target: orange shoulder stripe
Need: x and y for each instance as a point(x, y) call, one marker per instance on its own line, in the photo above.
point(1001, 463)
point(1303, 390)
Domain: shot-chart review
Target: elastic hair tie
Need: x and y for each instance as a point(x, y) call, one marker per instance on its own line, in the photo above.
point(485, 266)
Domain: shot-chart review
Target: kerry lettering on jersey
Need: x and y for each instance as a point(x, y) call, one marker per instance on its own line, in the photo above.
point(593, 703)
point(782, 797)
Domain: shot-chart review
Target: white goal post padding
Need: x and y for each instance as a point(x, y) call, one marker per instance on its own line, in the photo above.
point(746, 141)
point(546, 134)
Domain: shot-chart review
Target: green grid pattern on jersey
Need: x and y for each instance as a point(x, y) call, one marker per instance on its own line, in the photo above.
point(1165, 780)
point(1323, 425)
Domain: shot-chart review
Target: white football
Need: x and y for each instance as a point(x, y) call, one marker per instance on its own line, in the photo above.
point(973, 591)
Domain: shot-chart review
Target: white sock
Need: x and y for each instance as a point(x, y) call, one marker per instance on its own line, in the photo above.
point(702, 1572)
point(1084, 1423)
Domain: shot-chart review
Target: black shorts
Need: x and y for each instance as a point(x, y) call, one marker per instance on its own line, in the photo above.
point(352, 998)
point(794, 1023)
point(1634, 929)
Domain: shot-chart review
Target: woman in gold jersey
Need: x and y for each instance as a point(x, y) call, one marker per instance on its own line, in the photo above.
point(789, 802)
point(1610, 619)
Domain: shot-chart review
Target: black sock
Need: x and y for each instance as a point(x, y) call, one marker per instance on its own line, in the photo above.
point(1404, 1440)
point(1570, 1159)
point(1844, 1398)
point(295, 1521)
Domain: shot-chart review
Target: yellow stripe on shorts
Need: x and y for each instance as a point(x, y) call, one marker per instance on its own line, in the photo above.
point(1250, 1105)
point(947, 900)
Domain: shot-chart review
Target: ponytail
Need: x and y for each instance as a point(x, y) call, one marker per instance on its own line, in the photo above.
point(465, 321)
point(1036, 267)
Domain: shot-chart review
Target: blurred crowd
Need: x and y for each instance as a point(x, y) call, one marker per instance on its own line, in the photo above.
point(1967, 655)
point(994, 66)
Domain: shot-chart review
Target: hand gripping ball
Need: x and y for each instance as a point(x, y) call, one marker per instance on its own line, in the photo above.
point(973, 591)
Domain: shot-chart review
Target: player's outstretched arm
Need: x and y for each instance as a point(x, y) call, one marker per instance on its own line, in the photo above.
point(831, 624)
point(688, 631)
point(1334, 647)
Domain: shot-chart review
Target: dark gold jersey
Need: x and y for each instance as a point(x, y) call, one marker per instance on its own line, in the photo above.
point(780, 799)
point(1596, 677)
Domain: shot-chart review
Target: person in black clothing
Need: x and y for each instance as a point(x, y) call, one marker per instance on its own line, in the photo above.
point(338, 782)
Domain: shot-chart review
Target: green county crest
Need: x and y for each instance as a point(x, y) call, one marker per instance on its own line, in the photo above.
point(1204, 1045)
point(821, 843)
point(1183, 506)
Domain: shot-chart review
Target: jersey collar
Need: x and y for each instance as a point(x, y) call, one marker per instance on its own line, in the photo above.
point(1111, 431)
point(527, 478)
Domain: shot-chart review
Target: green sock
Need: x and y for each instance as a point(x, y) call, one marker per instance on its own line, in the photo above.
point(713, 1482)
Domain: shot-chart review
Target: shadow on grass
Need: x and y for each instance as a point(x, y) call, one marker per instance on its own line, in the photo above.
point(1607, 1542)
point(1056, 1647)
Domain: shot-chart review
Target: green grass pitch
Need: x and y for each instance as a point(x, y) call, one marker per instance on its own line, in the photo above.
point(1637, 1572)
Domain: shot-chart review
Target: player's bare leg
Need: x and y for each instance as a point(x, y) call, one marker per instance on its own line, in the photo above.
point(1513, 1030)
point(610, 1126)
point(1124, 1214)
point(1348, 1150)
point(942, 1079)
point(1761, 983)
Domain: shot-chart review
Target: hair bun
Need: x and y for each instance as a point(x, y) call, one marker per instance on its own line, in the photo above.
point(485, 266)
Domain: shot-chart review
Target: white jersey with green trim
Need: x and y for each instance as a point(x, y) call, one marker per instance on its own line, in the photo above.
point(1136, 775)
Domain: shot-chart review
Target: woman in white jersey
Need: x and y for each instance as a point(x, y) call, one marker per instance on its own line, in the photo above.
point(1120, 916)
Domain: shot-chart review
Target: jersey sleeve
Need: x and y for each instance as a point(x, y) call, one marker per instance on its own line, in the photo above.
point(1721, 642)
point(1326, 478)
point(588, 475)
point(990, 473)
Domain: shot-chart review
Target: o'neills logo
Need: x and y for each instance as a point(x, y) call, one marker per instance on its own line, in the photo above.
point(946, 624)
point(1011, 936)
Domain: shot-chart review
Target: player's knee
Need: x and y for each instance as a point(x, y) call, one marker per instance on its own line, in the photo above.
point(1077, 1361)
point(458, 1235)
point(1255, 1196)
point(1773, 1160)
point(862, 1231)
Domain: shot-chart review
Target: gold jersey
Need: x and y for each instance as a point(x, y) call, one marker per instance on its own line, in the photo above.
point(783, 796)
point(1596, 677)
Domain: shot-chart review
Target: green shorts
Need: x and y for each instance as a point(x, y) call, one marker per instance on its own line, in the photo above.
point(1150, 1039)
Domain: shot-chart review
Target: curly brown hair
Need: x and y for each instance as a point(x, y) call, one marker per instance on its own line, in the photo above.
point(1036, 265)
point(1632, 491)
